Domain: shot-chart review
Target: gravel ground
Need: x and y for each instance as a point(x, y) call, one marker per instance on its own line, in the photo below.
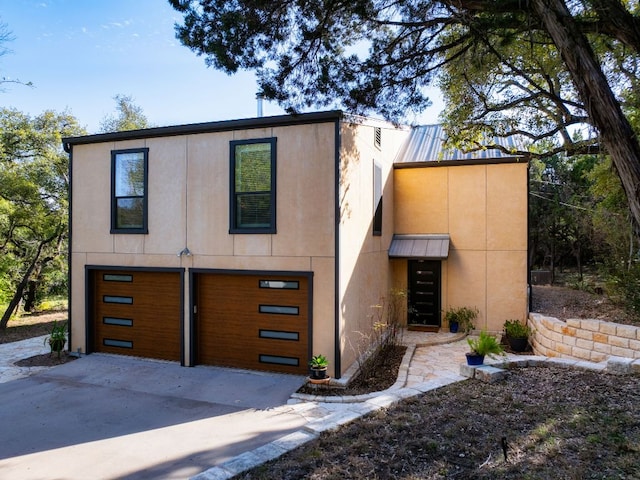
point(556, 424)
point(539, 423)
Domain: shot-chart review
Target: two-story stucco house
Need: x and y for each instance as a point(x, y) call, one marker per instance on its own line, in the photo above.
point(257, 243)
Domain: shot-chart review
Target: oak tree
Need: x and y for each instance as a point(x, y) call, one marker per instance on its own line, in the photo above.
point(567, 62)
point(33, 202)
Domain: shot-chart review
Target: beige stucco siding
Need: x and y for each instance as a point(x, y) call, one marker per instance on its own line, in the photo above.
point(507, 200)
point(364, 266)
point(188, 195)
point(91, 198)
point(207, 211)
point(467, 206)
point(484, 210)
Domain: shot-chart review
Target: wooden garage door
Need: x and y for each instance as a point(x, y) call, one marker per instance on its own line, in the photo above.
point(137, 313)
point(258, 322)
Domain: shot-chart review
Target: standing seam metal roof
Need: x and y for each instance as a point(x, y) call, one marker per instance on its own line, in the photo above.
point(425, 144)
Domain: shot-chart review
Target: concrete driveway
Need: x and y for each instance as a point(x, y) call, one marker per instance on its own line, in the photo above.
point(107, 417)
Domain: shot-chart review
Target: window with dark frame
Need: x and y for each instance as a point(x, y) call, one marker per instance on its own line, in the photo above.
point(253, 186)
point(377, 200)
point(129, 178)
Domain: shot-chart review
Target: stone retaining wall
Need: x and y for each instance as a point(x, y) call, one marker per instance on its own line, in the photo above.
point(585, 339)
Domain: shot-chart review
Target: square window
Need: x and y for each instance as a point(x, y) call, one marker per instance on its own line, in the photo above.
point(253, 182)
point(129, 190)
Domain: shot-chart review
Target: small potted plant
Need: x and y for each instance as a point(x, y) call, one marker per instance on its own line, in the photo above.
point(318, 364)
point(461, 318)
point(57, 338)
point(484, 345)
point(517, 334)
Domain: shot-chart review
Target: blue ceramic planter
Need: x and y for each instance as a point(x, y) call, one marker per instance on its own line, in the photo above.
point(473, 359)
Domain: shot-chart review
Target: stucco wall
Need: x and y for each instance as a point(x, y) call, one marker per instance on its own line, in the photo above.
point(484, 210)
point(586, 339)
point(364, 263)
point(189, 207)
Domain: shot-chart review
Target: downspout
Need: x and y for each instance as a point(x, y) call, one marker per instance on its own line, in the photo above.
point(69, 149)
point(336, 313)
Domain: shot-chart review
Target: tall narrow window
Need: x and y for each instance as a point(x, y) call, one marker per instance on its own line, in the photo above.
point(253, 186)
point(129, 190)
point(377, 200)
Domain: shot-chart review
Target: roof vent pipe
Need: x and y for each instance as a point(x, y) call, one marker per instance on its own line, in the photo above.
point(259, 98)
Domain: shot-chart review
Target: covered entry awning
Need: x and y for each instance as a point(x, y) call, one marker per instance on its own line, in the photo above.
point(427, 246)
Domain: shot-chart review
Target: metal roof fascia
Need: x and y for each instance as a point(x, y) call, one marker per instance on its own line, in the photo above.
point(207, 127)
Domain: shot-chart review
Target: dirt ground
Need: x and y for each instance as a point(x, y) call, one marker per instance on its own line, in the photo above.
point(540, 423)
point(555, 423)
point(28, 326)
point(35, 325)
point(565, 302)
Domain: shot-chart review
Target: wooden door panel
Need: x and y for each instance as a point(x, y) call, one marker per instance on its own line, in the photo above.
point(235, 327)
point(147, 326)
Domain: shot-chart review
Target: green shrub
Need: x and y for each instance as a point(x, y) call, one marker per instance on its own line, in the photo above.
point(485, 344)
point(623, 286)
point(465, 317)
point(318, 361)
point(516, 329)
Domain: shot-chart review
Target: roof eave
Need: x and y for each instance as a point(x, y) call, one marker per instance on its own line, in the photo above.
point(206, 127)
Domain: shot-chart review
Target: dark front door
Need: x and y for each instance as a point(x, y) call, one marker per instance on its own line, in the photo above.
point(424, 294)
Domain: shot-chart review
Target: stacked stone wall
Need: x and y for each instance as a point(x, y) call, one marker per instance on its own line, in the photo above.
point(585, 339)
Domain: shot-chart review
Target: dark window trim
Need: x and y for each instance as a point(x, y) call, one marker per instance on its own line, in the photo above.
point(279, 309)
point(117, 321)
point(285, 284)
point(113, 277)
point(145, 198)
point(285, 335)
point(233, 228)
point(278, 360)
point(116, 343)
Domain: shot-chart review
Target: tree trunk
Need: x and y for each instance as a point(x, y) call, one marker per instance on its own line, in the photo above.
point(30, 296)
point(593, 88)
point(15, 300)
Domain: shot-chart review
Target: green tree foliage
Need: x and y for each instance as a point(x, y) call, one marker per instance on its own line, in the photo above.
point(129, 116)
point(619, 255)
point(533, 67)
point(561, 207)
point(33, 205)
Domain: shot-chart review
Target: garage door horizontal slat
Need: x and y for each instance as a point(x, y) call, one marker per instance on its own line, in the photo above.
point(229, 322)
point(154, 312)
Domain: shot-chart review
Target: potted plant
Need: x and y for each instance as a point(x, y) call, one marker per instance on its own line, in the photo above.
point(461, 318)
point(517, 334)
point(318, 364)
point(484, 345)
point(57, 338)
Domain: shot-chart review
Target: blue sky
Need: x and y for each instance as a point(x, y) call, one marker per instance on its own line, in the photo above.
point(79, 54)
